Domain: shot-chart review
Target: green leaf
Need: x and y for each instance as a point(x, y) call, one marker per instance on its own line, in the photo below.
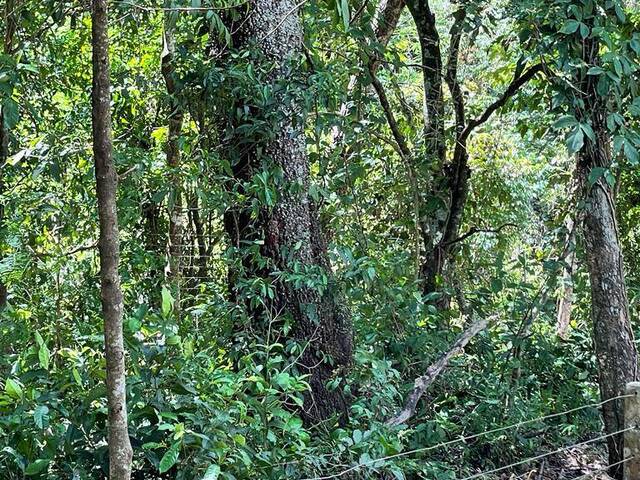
point(584, 30)
point(575, 141)
point(565, 121)
point(41, 416)
point(170, 457)
point(13, 389)
point(212, 473)
point(11, 113)
point(167, 302)
point(36, 467)
point(588, 131)
point(346, 17)
point(76, 376)
point(595, 71)
point(44, 356)
point(631, 152)
point(570, 26)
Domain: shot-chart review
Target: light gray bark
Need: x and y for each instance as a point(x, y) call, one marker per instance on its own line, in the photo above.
point(120, 452)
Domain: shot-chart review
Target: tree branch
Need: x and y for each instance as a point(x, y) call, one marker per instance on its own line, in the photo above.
point(512, 89)
point(475, 230)
point(388, 112)
point(451, 75)
point(423, 382)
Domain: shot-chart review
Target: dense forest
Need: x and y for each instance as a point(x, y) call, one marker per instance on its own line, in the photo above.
point(319, 239)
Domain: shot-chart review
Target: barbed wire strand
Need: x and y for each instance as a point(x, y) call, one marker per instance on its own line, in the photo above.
point(471, 437)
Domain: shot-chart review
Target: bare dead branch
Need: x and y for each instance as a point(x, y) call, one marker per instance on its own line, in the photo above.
point(422, 383)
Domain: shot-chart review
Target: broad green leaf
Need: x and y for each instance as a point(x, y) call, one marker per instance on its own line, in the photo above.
point(167, 302)
point(36, 467)
point(570, 26)
point(41, 416)
point(170, 457)
point(76, 376)
point(631, 152)
point(212, 473)
point(575, 141)
point(11, 113)
point(13, 389)
point(346, 16)
point(44, 356)
point(565, 121)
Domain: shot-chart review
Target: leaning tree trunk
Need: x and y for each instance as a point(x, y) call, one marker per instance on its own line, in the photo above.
point(120, 452)
point(613, 337)
point(291, 229)
point(9, 32)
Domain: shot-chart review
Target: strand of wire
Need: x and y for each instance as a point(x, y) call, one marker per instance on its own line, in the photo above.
point(605, 469)
point(545, 455)
point(471, 437)
point(583, 476)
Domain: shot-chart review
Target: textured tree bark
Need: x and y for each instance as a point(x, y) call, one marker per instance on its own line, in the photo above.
point(612, 334)
point(9, 33)
point(120, 452)
point(176, 117)
point(450, 183)
point(291, 230)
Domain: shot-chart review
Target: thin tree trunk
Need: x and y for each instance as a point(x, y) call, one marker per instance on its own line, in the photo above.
point(291, 230)
point(612, 334)
point(120, 452)
point(203, 252)
point(384, 24)
point(9, 33)
point(565, 302)
point(176, 117)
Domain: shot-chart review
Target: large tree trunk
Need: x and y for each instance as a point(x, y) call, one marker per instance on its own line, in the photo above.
point(9, 33)
point(612, 334)
point(291, 229)
point(176, 211)
point(120, 453)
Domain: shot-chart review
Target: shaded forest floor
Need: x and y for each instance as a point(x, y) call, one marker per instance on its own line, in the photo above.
point(579, 462)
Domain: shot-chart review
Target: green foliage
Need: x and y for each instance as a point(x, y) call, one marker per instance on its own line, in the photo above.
point(214, 386)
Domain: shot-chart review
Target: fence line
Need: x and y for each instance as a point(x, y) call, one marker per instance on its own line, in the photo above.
point(583, 476)
point(548, 454)
point(482, 434)
point(603, 470)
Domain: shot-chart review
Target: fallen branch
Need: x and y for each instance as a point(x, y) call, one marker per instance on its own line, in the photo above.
point(423, 382)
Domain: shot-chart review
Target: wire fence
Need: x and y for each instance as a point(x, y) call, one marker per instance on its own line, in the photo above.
point(382, 460)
